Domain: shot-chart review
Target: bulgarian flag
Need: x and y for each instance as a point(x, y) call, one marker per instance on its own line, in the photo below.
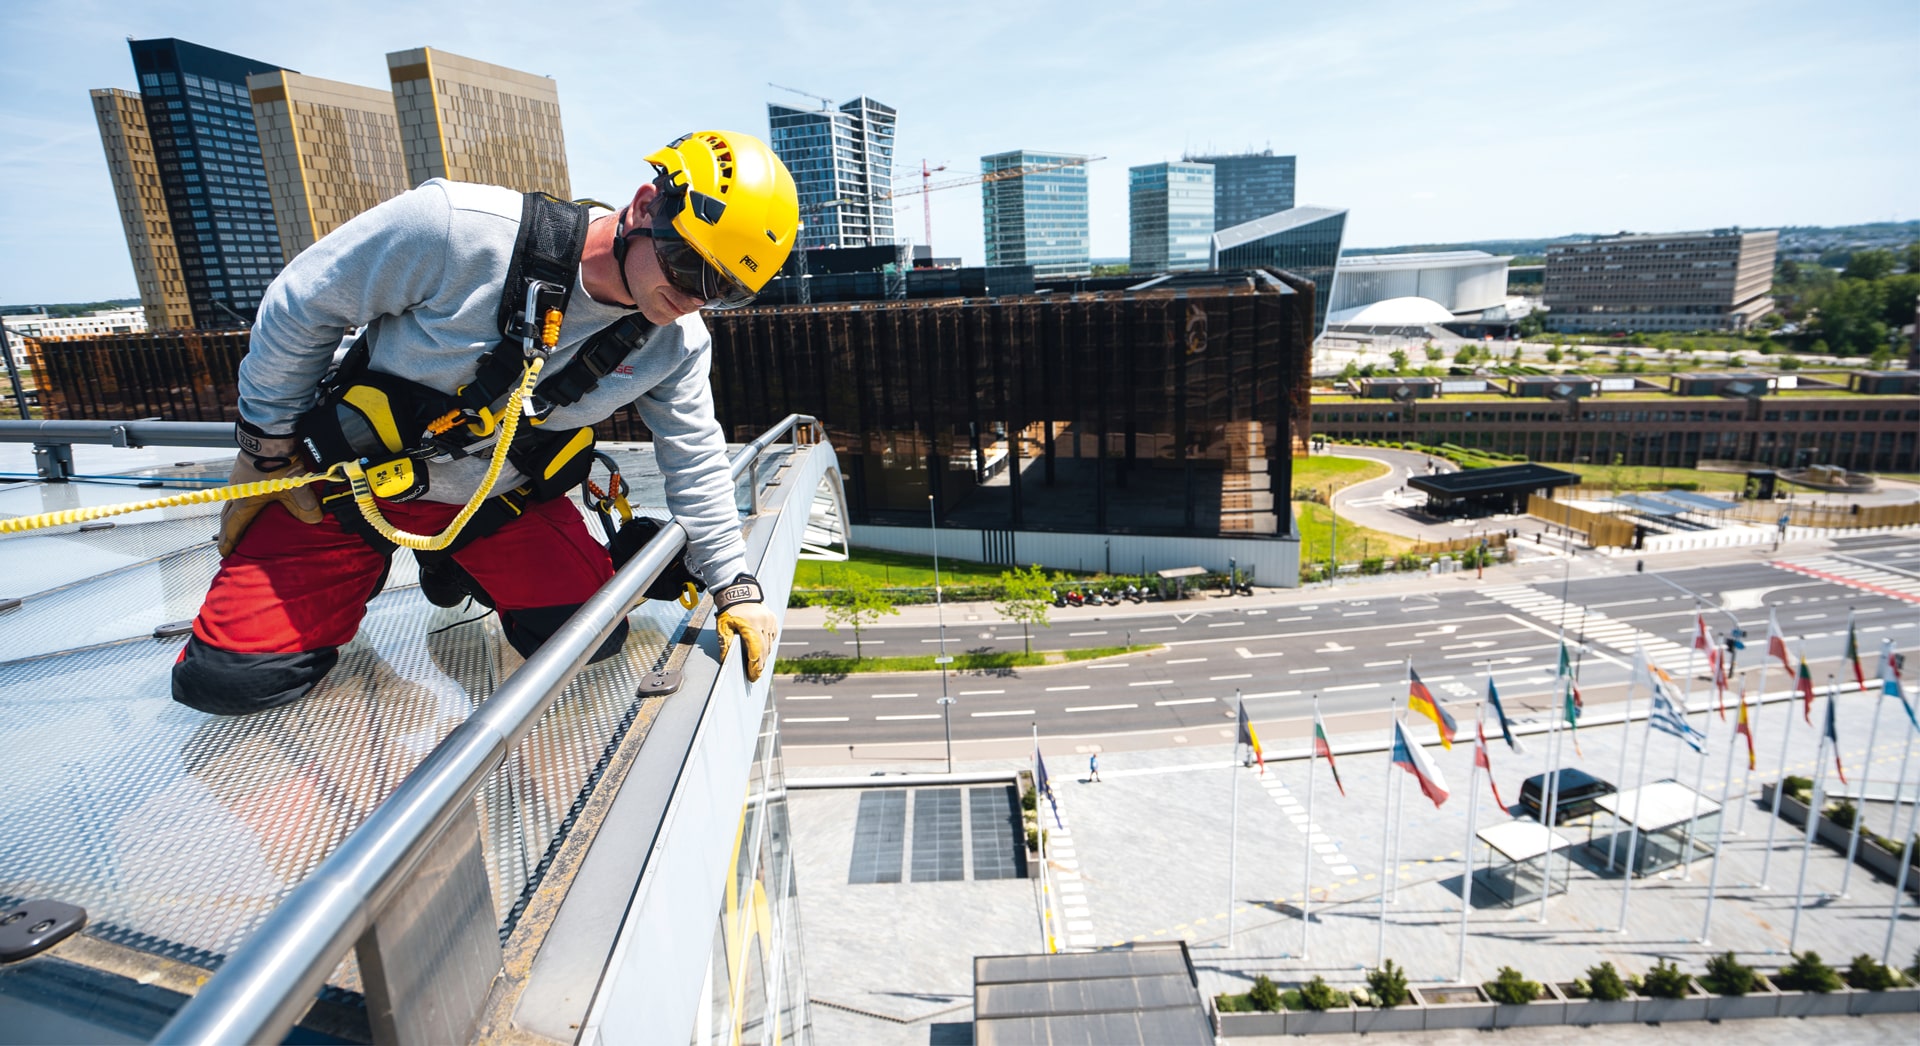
point(1421, 700)
point(1324, 748)
point(1777, 643)
point(1853, 652)
point(1480, 760)
point(1803, 682)
point(1413, 759)
point(1745, 726)
point(1251, 739)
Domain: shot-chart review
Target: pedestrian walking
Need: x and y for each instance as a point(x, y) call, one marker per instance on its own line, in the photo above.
point(1093, 768)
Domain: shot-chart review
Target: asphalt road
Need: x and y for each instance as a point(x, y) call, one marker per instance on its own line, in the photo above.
point(1353, 651)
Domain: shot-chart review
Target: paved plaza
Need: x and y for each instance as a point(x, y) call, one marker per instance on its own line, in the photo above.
point(1149, 860)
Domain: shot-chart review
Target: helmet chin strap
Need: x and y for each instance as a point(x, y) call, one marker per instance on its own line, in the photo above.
point(621, 237)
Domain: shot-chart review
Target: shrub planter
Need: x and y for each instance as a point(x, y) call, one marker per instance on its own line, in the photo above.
point(1597, 1011)
point(1835, 1003)
point(1455, 1006)
point(1549, 1008)
point(1651, 1010)
point(1408, 1016)
point(1893, 1000)
point(1233, 1025)
point(1321, 1022)
point(1870, 855)
point(1762, 1001)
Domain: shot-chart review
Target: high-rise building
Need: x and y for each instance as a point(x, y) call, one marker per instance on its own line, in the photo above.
point(1716, 280)
point(201, 122)
point(1304, 241)
point(1248, 186)
point(842, 164)
point(472, 121)
point(331, 149)
point(143, 208)
point(1038, 218)
point(1169, 216)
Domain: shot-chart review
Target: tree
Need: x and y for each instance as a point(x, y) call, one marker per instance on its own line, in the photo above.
point(1851, 317)
point(1465, 355)
point(857, 602)
point(1554, 355)
point(1869, 265)
point(1025, 595)
point(1399, 358)
point(1435, 352)
point(1912, 256)
point(1789, 363)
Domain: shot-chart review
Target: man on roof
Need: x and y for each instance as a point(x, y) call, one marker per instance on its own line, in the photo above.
point(449, 281)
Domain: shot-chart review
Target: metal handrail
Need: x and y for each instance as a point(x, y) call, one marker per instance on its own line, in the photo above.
point(271, 979)
point(121, 433)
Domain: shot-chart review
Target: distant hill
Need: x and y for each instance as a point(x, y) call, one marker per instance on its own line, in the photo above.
point(1792, 237)
point(66, 309)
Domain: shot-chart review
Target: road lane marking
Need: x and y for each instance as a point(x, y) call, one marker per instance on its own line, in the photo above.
point(816, 719)
point(1227, 624)
point(1100, 708)
point(1152, 682)
point(1102, 632)
point(895, 718)
point(1186, 661)
point(1184, 701)
point(809, 697)
point(1360, 613)
point(977, 693)
point(1083, 686)
point(1250, 655)
point(1349, 686)
point(1216, 679)
point(1270, 693)
point(1409, 642)
point(879, 696)
point(1382, 664)
point(1162, 628)
point(1017, 711)
point(1305, 671)
point(865, 642)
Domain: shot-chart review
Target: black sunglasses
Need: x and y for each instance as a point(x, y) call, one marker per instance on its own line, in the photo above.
point(684, 268)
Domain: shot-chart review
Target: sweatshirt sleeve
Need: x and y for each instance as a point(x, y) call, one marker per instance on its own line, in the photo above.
point(381, 263)
point(691, 451)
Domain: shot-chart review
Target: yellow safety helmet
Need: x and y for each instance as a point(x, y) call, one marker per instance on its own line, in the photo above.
point(726, 196)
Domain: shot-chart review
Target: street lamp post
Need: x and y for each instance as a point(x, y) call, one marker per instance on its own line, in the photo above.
point(940, 615)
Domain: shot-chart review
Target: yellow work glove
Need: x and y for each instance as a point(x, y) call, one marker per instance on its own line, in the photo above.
point(743, 613)
point(282, 457)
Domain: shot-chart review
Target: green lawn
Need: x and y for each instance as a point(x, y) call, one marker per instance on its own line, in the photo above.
point(1647, 477)
point(1356, 542)
point(893, 569)
point(840, 666)
point(1318, 471)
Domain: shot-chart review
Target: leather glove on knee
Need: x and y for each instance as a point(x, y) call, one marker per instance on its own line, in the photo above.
point(265, 457)
point(744, 614)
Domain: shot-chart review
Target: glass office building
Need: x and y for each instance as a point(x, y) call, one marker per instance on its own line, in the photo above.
point(1247, 186)
point(842, 164)
point(1304, 241)
point(1165, 412)
point(1038, 218)
point(201, 120)
point(1169, 216)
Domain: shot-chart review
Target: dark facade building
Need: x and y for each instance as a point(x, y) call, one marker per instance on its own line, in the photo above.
point(1716, 280)
point(1247, 186)
point(1304, 241)
point(1864, 433)
point(200, 117)
point(1165, 413)
point(842, 164)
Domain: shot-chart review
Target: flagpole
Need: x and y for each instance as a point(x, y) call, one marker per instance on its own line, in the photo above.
point(1906, 861)
point(1550, 786)
point(1719, 842)
point(1473, 813)
point(1040, 827)
point(1686, 698)
point(1386, 834)
point(1886, 676)
point(1813, 826)
point(1399, 800)
point(1860, 807)
point(1639, 793)
point(1306, 884)
point(1233, 830)
point(1786, 737)
point(1693, 815)
point(1746, 775)
point(1626, 742)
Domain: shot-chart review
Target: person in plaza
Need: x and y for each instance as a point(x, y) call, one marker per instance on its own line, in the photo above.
point(1093, 767)
point(450, 281)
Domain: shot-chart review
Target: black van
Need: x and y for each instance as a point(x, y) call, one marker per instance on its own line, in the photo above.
point(1574, 797)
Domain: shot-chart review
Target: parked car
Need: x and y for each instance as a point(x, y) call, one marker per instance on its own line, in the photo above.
point(1574, 796)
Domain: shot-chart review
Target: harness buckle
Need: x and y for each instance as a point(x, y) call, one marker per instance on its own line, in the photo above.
point(538, 326)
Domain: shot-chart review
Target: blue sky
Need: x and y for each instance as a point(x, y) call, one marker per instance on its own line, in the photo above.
point(1431, 122)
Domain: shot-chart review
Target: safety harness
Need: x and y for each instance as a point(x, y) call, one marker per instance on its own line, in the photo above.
point(396, 427)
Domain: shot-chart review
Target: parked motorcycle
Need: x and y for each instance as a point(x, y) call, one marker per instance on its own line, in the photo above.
point(1058, 600)
point(1075, 598)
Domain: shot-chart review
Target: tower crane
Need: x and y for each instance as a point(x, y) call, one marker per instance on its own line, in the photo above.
point(825, 102)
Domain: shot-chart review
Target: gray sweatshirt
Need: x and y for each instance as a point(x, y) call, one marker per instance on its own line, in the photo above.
point(423, 273)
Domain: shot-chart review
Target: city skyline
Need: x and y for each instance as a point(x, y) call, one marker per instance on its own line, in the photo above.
point(1475, 123)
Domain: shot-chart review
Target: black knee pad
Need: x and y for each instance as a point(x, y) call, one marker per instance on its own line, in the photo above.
point(225, 683)
point(527, 630)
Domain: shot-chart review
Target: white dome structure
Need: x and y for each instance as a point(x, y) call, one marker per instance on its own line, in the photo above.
point(1394, 312)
